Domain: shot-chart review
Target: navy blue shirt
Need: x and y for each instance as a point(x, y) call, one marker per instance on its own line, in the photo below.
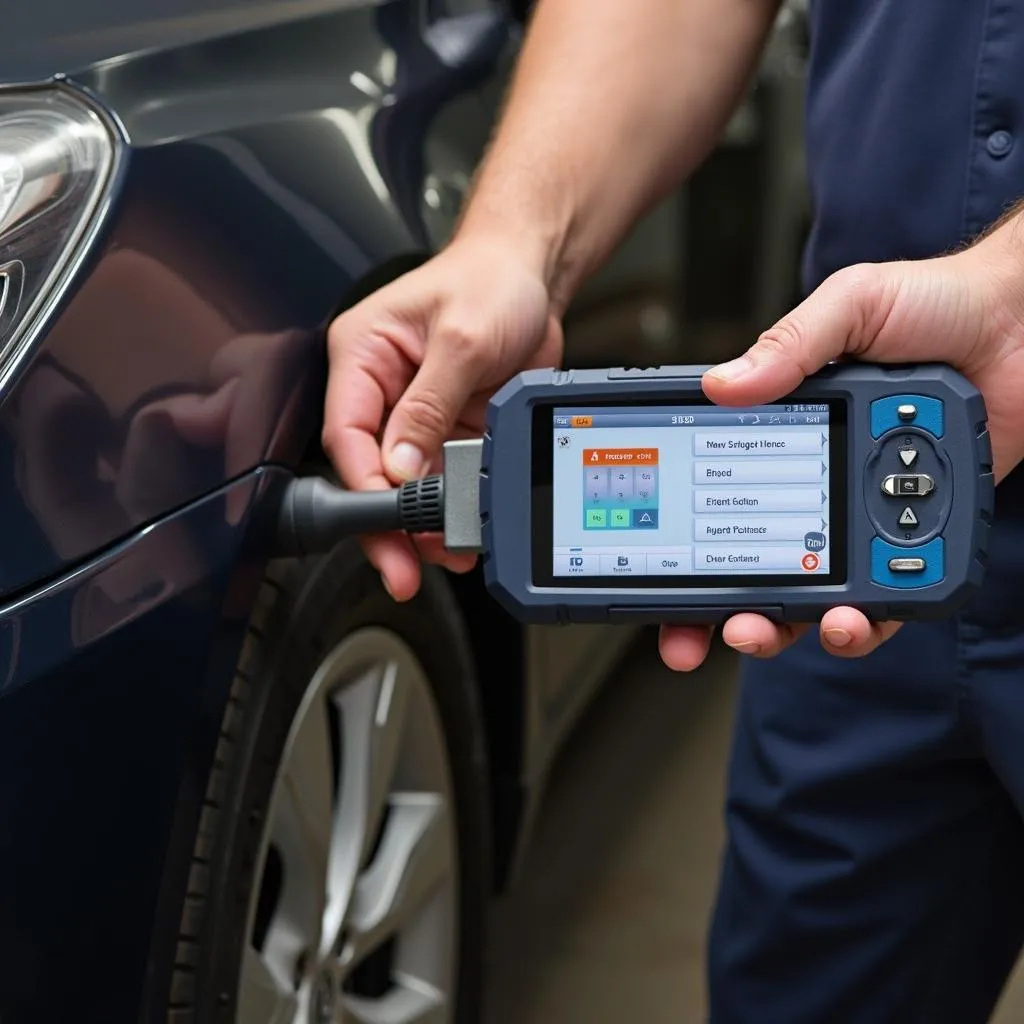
point(915, 126)
point(915, 134)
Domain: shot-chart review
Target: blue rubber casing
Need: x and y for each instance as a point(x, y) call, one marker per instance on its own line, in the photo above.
point(950, 420)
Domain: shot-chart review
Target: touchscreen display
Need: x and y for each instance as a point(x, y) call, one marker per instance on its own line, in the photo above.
point(644, 492)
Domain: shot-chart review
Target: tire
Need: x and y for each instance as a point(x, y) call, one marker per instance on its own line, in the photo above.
point(311, 619)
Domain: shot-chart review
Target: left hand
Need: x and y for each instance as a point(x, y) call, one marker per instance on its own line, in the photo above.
point(966, 310)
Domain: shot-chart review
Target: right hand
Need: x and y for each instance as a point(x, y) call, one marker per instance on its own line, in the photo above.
point(431, 348)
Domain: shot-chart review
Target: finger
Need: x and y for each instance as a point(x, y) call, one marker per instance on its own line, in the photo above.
point(848, 633)
point(431, 549)
point(363, 382)
point(394, 557)
point(424, 417)
point(684, 648)
point(759, 637)
point(843, 316)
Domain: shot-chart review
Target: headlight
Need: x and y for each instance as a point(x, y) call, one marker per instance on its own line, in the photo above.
point(56, 161)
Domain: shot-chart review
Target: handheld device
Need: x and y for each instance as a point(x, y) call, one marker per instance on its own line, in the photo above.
point(625, 495)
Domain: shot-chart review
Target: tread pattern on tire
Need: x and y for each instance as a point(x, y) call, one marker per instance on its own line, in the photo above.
point(181, 1007)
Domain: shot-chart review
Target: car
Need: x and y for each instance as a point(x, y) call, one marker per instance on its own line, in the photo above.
point(240, 787)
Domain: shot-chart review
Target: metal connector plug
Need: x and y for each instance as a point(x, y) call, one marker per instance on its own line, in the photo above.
point(316, 515)
point(462, 495)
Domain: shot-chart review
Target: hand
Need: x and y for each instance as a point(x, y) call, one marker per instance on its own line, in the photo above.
point(966, 310)
point(430, 348)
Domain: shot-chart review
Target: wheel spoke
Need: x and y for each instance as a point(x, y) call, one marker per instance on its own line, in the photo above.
point(401, 1005)
point(372, 717)
point(308, 784)
point(301, 834)
point(262, 999)
point(414, 858)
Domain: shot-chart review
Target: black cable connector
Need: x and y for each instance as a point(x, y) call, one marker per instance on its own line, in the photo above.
point(316, 515)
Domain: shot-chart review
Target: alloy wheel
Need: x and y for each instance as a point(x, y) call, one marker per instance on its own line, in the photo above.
point(354, 920)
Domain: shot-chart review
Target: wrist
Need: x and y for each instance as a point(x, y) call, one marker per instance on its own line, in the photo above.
point(534, 226)
point(999, 258)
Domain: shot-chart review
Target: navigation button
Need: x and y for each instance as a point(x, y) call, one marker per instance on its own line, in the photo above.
point(620, 518)
point(577, 565)
point(623, 564)
point(918, 484)
point(908, 456)
point(908, 518)
point(645, 519)
point(888, 414)
point(671, 564)
point(907, 565)
point(896, 568)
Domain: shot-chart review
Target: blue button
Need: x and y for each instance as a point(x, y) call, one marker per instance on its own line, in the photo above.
point(645, 519)
point(885, 414)
point(933, 554)
point(999, 143)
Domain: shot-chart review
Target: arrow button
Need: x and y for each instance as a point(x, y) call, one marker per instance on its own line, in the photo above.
point(908, 518)
point(908, 456)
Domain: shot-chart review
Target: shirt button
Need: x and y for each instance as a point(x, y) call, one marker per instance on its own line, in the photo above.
point(999, 143)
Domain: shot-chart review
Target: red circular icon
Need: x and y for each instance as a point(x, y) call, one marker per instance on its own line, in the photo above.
point(810, 561)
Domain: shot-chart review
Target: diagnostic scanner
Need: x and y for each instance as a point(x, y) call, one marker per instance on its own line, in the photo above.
point(624, 495)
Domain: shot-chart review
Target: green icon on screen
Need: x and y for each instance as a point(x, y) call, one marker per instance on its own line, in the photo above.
point(620, 517)
point(597, 517)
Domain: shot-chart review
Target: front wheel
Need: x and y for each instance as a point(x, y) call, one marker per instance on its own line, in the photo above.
point(345, 841)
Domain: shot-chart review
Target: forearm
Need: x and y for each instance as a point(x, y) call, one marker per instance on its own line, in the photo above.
point(612, 104)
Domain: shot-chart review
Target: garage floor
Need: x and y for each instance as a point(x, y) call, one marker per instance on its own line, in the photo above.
point(607, 922)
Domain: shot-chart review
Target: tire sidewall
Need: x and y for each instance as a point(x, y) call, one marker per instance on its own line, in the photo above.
point(317, 605)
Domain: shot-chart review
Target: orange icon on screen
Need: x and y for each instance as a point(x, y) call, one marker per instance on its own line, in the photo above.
point(621, 456)
point(810, 561)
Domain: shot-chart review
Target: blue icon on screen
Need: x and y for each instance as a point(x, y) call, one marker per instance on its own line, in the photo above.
point(645, 519)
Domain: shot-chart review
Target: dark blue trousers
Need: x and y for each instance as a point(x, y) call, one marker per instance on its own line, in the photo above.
point(874, 870)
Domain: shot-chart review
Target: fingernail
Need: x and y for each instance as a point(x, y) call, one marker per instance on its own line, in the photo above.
point(406, 461)
point(732, 370)
point(838, 637)
point(387, 587)
point(746, 646)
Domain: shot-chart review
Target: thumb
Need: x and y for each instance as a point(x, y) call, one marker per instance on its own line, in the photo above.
point(425, 415)
point(843, 316)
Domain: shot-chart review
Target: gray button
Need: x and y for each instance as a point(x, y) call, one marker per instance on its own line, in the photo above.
point(620, 483)
point(623, 564)
point(596, 484)
point(999, 143)
point(577, 565)
point(906, 412)
point(907, 484)
point(908, 456)
point(908, 518)
point(668, 564)
point(737, 558)
point(907, 565)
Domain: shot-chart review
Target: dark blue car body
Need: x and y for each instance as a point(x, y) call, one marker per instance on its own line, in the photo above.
point(277, 160)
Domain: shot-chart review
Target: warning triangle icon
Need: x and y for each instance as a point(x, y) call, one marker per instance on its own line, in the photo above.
point(645, 518)
point(593, 456)
point(908, 518)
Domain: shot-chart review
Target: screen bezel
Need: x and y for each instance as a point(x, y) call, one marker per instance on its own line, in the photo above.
point(542, 508)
